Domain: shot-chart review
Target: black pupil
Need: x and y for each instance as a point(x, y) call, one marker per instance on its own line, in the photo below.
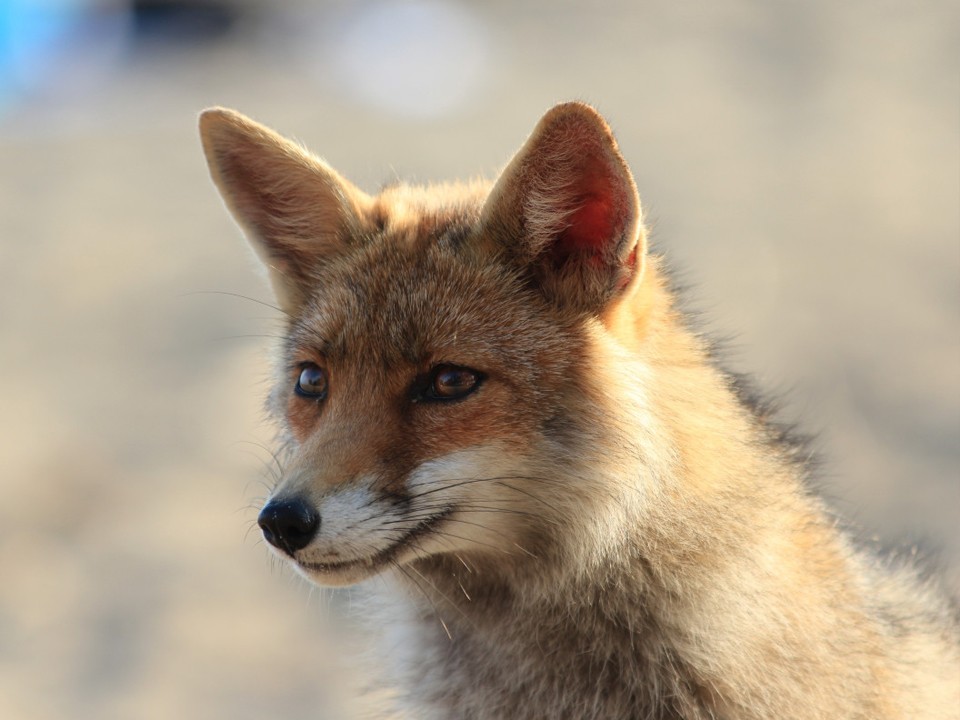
point(453, 381)
point(312, 380)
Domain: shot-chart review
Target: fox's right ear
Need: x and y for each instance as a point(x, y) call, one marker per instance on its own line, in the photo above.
point(294, 208)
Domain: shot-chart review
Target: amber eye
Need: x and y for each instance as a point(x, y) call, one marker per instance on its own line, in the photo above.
point(450, 382)
point(312, 382)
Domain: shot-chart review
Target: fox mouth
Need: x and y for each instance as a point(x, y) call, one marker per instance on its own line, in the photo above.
point(378, 560)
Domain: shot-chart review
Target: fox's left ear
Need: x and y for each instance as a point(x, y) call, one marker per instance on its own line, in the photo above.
point(566, 207)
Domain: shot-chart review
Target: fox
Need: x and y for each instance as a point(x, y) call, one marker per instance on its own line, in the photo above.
point(495, 415)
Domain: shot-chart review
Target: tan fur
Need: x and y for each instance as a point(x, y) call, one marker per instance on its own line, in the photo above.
point(616, 535)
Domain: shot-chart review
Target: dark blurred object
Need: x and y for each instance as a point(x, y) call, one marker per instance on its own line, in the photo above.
point(183, 22)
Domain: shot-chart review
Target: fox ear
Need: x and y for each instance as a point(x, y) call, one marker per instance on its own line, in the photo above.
point(295, 210)
point(567, 208)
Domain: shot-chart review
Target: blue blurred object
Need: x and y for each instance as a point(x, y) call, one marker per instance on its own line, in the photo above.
point(58, 47)
point(28, 32)
point(66, 47)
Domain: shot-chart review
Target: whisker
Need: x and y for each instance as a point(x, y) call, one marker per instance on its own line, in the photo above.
point(523, 549)
point(426, 595)
point(253, 505)
point(400, 532)
point(529, 495)
point(498, 480)
point(261, 446)
point(250, 528)
point(467, 507)
point(442, 594)
point(444, 533)
point(470, 481)
point(248, 336)
point(238, 295)
point(413, 521)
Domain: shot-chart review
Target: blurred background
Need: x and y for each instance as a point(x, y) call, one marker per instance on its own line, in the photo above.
point(799, 163)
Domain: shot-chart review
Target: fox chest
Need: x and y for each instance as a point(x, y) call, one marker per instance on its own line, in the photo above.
point(546, 669)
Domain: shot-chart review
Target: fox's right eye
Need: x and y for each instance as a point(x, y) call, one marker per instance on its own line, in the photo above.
point(312, 382)
point(450, 382)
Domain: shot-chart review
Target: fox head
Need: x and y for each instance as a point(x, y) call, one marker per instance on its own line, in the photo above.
point(440, 386)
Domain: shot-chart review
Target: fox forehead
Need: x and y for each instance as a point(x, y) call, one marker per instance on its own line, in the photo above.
point(421, 292)
point(430, 210)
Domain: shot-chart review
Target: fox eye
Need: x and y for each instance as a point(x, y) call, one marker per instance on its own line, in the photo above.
point(312, 382)
point(450, 382)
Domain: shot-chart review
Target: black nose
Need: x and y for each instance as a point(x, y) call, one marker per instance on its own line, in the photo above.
point(289, 524)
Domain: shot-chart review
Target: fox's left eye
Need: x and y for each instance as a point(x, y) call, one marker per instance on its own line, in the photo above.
point(451, 382)
point(312, 382)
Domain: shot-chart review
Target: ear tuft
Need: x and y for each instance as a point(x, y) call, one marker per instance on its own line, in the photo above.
point(567, 206)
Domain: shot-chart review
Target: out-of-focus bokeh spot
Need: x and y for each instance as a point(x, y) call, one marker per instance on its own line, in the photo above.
point(419, 58)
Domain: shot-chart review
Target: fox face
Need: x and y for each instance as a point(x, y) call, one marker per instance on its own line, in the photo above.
point(437, 386)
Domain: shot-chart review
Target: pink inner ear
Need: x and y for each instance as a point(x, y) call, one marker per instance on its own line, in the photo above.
point(589, 228)
point(595, 211)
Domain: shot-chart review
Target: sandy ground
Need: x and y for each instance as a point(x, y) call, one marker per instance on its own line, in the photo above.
point(800, 162)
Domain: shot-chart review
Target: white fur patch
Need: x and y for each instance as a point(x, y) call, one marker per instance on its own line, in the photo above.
point(354, 525)
point(474, 488)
